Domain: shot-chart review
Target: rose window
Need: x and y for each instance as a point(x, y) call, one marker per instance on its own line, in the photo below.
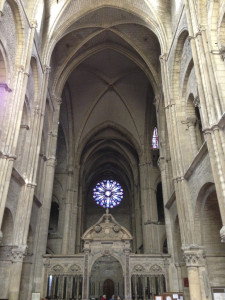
point(108, 193)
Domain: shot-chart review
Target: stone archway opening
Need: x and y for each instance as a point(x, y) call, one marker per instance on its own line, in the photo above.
point(108, 288)
point(106, 278)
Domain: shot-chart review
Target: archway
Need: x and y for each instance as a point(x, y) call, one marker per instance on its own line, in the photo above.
point(108, 288)
point(106, 278)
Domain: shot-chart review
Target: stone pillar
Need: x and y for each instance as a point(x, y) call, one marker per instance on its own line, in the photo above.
point(17, 256)
point(185, 210)
point(67, 214)
point(74, 210)
point(50, 163)
point(6, 165)
point(211, 101)
point(195, 262)
point(191, 128)
point(149, 208)
point(127, 275)
point(13, 125)
point(85, 285)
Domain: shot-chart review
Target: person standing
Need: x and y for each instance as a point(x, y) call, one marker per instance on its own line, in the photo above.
point(103, 297)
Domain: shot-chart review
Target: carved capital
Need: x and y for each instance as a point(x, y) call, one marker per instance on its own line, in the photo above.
point(222, 234)
point(30, 184)
point(194, 256)
point(18, 253)
point(51, 161)
point(7, 156)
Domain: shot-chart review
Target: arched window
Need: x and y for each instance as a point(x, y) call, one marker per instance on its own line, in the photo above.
point(155, 142)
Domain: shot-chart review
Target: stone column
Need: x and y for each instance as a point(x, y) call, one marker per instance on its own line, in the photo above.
point(195, 262)
point(17, 256)
point(127, 275)
point(14, 121)
point(67, 214)
point(50, 163)
point(211, 101)
point(74, 211)
point(85, 287)
point(149, 208)
point(191, 128)
point(185, 210)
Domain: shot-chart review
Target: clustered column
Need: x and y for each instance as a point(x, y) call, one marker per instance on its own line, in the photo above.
point(49, 172)
point(149, 208)
point(196, 267)
point(211, 101)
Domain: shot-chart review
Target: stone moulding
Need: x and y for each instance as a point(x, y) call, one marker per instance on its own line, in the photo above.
point(107, 229)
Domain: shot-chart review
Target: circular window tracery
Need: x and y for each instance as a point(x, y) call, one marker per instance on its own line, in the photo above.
point(108, 193)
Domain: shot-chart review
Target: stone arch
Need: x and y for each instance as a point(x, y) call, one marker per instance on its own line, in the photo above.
point(125, 134)
point(3, 66)
point(62, 150)
point(186, 77)
point(221, 31)
point(148, 21)
point(100, 255)
point(35, 75)
point(23, 135)
point(38, 13)
point(194, 120)
point(4, 89)
point(107, 268)
point(202, 11)
point(18, 18)
point(7, 227)
point(206, 196)
point(65, 71)
point(207, 232)
point(176, 63)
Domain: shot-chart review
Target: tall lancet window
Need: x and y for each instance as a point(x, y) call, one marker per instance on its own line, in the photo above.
point(155, 141)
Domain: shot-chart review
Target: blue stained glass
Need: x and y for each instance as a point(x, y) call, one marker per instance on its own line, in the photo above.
point(108, 193)
point(155, 142)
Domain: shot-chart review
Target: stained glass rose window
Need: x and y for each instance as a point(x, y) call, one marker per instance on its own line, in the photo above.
point(108, 193)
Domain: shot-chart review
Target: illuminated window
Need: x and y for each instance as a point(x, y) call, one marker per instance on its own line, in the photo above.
point(155, 141)
point(108, 193)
